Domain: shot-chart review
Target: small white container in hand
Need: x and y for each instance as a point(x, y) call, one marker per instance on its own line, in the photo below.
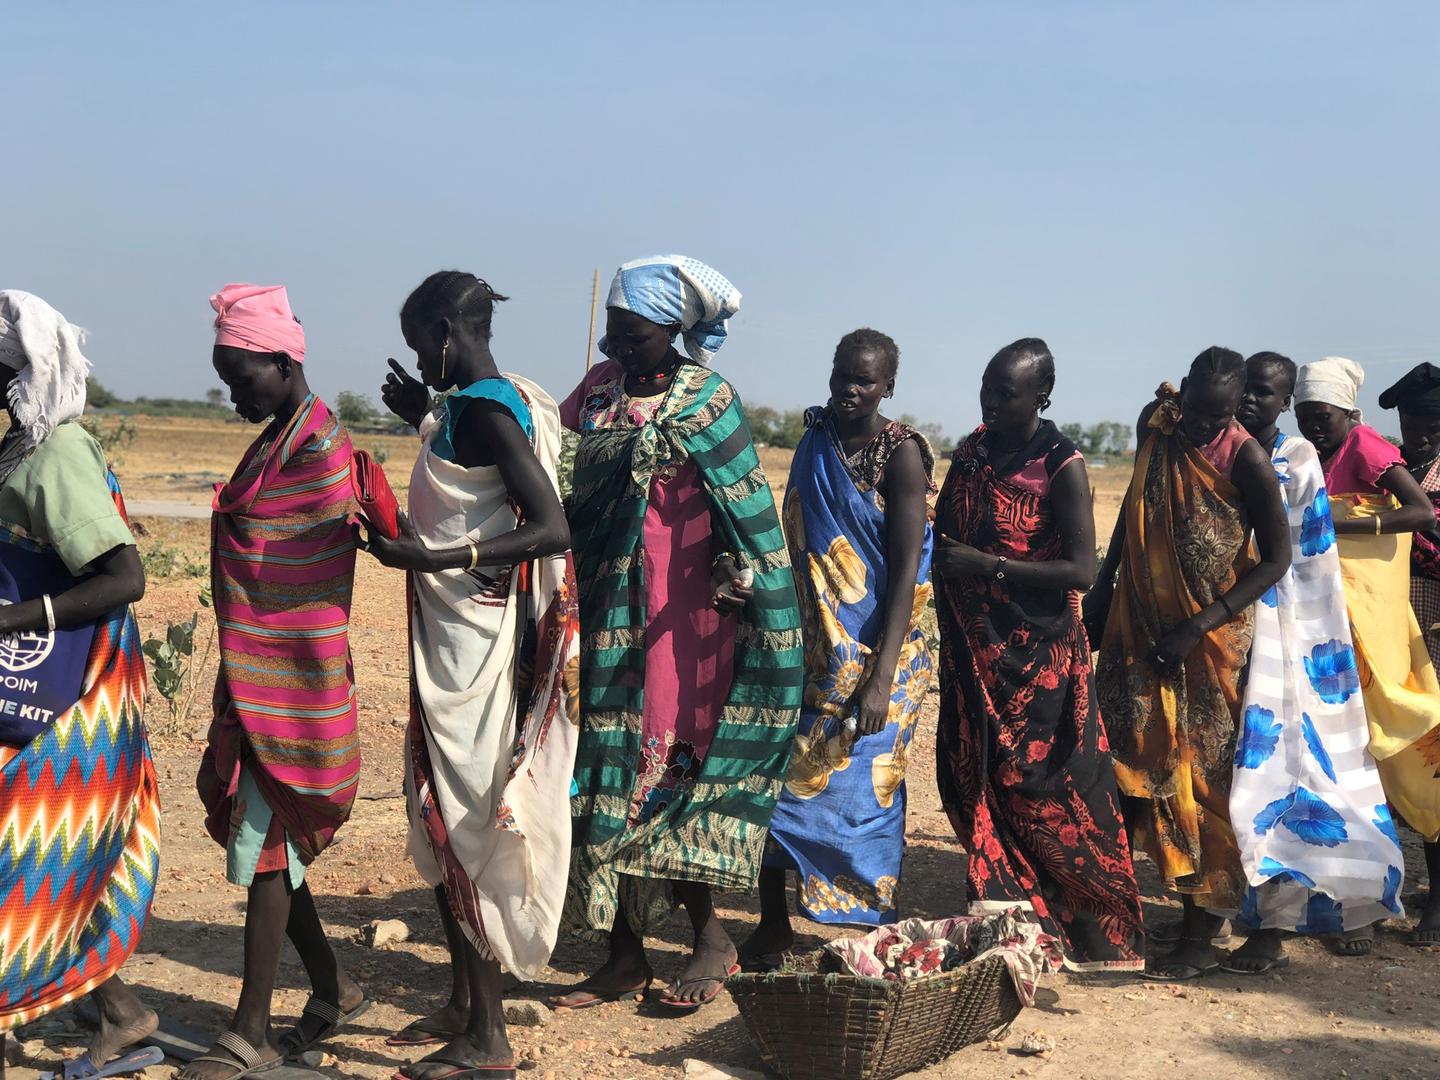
point(746, 580)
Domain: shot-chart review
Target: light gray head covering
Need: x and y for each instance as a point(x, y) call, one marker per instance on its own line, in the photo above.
point(1331, 381)
point(37, 342)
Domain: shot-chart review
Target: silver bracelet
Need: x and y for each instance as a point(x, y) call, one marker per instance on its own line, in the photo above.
point(49, 612)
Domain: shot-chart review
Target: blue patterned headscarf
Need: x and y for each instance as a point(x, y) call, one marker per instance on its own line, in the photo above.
point(669, 289)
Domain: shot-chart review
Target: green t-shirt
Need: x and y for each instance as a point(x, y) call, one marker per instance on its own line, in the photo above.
point(59, 496)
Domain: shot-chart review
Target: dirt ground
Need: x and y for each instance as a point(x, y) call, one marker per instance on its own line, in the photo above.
point(1324, 1017)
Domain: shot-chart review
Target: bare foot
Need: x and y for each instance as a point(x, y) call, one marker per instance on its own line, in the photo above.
point(766, 944)
point(1427, 930)
point(462, 1053)
point(124, 1022)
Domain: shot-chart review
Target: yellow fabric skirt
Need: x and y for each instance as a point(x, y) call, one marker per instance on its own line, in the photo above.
point(1402, 696)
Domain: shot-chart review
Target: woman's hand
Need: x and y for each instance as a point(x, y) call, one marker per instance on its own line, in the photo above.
point(1176, 645)
point(871, 704)
point(1095, 612)
point(728, 590)
point(956, 560)
point(405, 395)
point(406, 552)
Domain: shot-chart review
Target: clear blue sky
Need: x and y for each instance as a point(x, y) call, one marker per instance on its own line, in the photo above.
point(1131, 181)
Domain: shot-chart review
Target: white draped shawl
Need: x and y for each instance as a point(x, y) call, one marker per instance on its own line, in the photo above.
point(494, 660)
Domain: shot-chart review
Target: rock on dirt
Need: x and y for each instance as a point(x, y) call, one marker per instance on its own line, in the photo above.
point(523, 1013)
point(382, 932)
point(703, 1070)
point(1037, 1043)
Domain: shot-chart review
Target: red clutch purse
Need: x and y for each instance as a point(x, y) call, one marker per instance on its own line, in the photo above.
point(372, 492)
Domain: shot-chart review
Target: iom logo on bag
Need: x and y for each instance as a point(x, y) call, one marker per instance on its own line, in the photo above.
point(21, 652)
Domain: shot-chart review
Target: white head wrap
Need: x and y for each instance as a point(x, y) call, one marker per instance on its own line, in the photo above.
point(1331, 381)
point(37, 342)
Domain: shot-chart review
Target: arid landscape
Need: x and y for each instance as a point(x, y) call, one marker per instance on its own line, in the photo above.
point(1325, 1017)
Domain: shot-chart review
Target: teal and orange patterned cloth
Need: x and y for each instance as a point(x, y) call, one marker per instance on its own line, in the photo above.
point(840, 822)
point(660, 490)
point(80, 839)
point(282, 573)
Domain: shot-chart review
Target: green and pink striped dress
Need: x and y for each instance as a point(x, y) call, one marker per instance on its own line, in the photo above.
point(282, 571)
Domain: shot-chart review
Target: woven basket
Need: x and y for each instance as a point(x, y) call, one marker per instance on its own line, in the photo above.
point(812, 1026)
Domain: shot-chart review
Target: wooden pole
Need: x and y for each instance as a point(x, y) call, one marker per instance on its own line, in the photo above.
point(594, 306)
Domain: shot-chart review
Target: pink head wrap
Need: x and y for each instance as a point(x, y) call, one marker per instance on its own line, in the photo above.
point(258, 318)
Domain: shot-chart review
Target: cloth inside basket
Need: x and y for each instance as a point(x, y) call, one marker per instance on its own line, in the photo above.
point(918, 947)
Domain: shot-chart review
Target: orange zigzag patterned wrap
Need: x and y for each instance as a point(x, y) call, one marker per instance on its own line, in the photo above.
point(79, 834)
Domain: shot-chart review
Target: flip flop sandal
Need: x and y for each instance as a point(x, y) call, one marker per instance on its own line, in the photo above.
point(331, 1020)
point(421, 1034)
point(597, 997)
point(461, 1070)
point(1170, 933)
point(244, 1058)
point(1172, 972)
point(672, 1000)
point(84, 1068)
point(1267, 964)
point(1355, 943)
point(1105, 967)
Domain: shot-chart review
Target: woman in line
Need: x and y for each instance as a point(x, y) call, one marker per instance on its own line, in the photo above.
point(1317, 857)
point(77, 783)
point(1417, 398)
point(281, 771)
point(691, 664)
point(1174, 598)
point(1021, 754)
point(1377, 504)
point(493, 633)
point(857, 528)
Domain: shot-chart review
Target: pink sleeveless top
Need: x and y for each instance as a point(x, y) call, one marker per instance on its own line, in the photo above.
point(1222, 450)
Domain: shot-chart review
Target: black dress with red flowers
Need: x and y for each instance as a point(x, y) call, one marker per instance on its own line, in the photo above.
point(1022, 759)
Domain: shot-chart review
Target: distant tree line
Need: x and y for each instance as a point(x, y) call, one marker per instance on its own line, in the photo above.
point(783, 429)
point(99, 396)
point(1104, 438)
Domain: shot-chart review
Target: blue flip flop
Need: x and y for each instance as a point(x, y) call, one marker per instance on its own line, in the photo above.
point(83, 1068)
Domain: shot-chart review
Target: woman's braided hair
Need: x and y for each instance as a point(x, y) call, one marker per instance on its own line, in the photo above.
point(452, 294)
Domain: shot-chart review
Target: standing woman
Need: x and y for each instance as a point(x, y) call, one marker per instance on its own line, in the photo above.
point(1417, 397)
point(1022, 759)
point(1302, 739)
point(1377, 504)
point(77, 784)
point(281, 771)
point(858, 532)
point(1182, 577)
point(493, 633)
point(691, 665)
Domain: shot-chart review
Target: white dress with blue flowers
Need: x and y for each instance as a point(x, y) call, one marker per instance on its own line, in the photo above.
point(1316, 838)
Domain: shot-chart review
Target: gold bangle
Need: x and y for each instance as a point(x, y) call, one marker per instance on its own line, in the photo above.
point(1377, 524)
point(474, 555)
